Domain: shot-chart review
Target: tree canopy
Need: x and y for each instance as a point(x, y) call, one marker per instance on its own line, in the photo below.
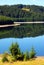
point(22, 12)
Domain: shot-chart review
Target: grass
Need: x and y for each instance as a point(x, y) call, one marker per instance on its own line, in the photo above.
point(36, 61)
point(26, 9)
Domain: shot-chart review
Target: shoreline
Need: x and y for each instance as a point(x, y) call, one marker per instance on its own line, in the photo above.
point(18, 23)
point(39, 60)
point(1, 55)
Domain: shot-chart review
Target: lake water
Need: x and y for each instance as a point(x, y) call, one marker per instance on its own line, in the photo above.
point(25, 44)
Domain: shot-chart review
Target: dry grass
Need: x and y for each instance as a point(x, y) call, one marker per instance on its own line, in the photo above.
point(26, 9)
point(36, 61)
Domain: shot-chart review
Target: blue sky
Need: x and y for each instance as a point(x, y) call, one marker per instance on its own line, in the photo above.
point(27, 2)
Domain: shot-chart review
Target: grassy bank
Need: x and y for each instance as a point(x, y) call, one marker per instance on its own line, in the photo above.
point(36, 61)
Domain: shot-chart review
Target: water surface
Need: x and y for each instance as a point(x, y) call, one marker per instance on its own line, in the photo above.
point(24, 43)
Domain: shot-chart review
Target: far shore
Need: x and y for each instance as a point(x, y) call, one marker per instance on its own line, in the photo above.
point(18, 23)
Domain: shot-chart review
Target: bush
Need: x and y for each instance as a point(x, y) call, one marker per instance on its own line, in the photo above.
point(26, 56)
point(15, 50)
point(13, 58)
point(20, 57)
point(32, 53)
point(4, 59)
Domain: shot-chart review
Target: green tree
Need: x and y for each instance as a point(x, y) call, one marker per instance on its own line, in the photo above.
point(15, 50)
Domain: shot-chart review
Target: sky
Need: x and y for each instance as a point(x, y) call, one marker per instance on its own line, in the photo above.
point(27, 2)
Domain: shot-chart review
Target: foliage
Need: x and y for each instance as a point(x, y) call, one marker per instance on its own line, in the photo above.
point(26, 56)
point(5, 20)
point(13, 58)
point(18, 55)
point(5, 59)
point(15, 50)
point(32, 53)
point(22, 13)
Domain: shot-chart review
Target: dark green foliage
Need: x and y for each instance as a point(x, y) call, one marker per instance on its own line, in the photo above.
point(32, 53)
point(15, 50)
point(15, 12)
point(18, 55)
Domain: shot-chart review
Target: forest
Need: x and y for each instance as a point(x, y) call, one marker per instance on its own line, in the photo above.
point(16, 13)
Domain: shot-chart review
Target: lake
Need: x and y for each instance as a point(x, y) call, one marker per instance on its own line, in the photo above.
point(25, 44)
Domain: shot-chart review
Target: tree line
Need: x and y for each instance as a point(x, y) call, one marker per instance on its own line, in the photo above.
point(22, 12)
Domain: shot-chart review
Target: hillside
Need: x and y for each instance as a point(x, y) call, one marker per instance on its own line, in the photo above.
point(22, 12)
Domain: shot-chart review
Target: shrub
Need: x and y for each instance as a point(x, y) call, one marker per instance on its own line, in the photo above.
point(15, 50)
point(17, 55)
point(26, 56)
point(20, 57)
point(4, 59)
point(32, 53)
point(13, 59)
